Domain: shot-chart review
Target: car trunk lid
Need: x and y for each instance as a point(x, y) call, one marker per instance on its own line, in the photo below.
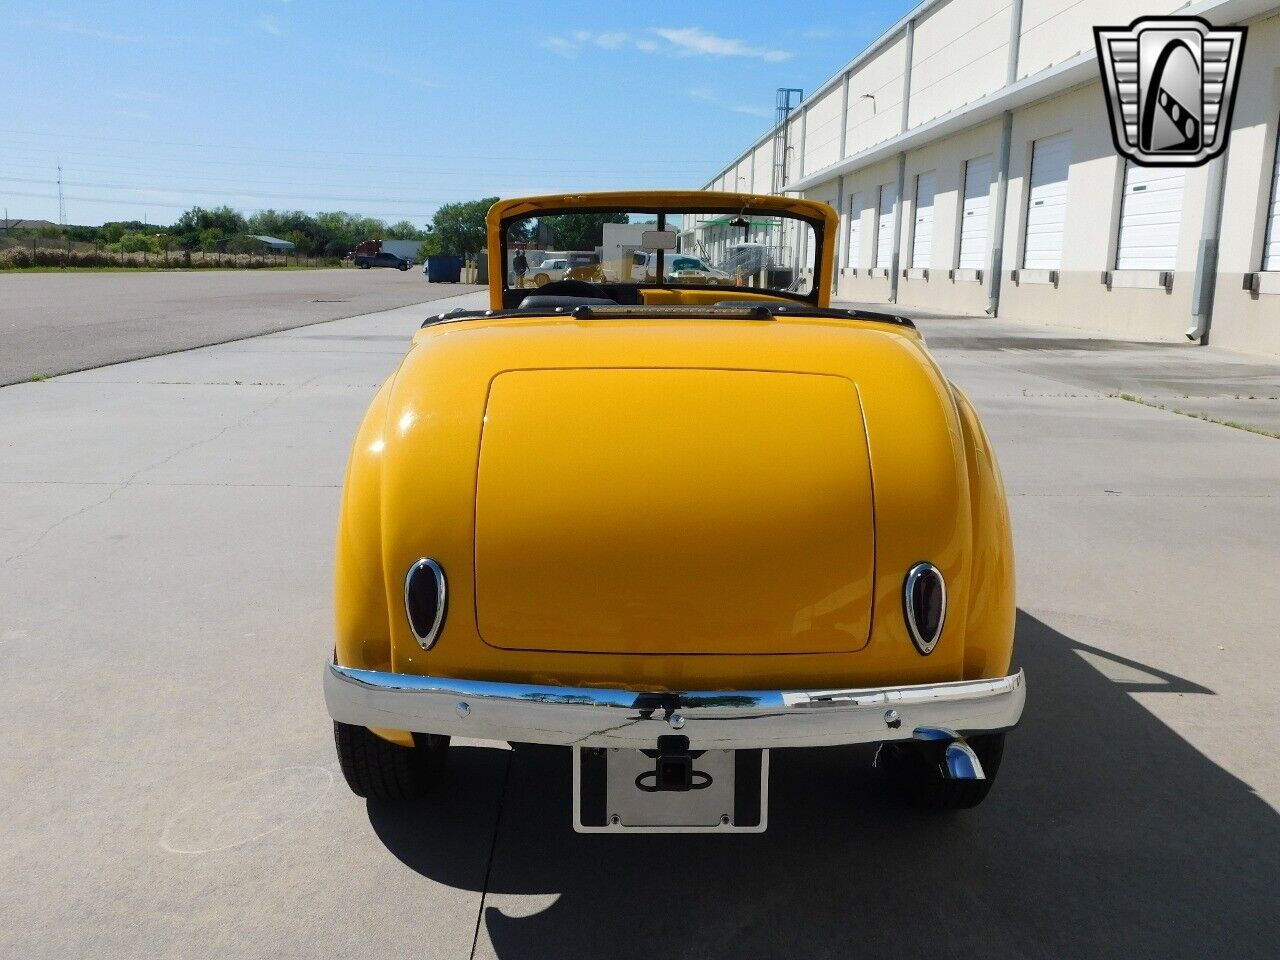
point(673, 511)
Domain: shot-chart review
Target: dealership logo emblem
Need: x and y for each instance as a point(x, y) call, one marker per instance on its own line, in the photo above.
point(1171, 86)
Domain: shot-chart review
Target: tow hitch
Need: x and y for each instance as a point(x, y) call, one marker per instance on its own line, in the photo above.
point(671, 788)
point(673, 768)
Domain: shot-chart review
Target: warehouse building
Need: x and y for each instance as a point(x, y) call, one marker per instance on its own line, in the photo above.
point(969, 153)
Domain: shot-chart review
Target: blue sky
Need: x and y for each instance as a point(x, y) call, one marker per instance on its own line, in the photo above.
point(391, 108)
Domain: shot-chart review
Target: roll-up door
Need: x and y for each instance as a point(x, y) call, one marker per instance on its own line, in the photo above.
point(855, 231)
point(1271, 253)
point(1047, 202)
point(884, 225)
point(973, 217)
point(1150, 214)
point(922, 242)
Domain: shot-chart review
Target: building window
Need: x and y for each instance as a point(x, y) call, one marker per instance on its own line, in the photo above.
point(974, 212)
point(1047, 203)
point(922, 236)
point(854, 254)
point(1150, 215)
point(884, 225)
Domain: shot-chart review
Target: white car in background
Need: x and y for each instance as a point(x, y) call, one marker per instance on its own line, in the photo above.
point(679, 266)
point(552, 269)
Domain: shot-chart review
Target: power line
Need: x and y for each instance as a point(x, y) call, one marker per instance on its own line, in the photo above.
point(312, 151)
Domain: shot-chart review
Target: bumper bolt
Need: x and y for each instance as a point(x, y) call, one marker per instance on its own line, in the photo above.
point(892, 720)
point(464, 708)
point(676, 721)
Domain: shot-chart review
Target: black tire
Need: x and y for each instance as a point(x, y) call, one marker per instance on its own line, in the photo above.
point(381, 770)
point(913, 772)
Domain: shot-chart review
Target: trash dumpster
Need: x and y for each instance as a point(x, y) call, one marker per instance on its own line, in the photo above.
point(443, 268)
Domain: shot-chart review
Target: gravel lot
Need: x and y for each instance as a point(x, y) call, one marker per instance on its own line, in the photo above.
point(169, 786)
point(53, 323)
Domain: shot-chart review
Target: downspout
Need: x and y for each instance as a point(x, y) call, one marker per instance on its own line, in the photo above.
point(997, 228)
point(1207, 258)
point(1002, 164)
point(895, 260)
point(843, 239)
point(802, 238)
point(897, 230)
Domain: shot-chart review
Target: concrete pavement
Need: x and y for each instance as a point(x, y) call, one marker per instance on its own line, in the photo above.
point(53, 323)
point(169, 784)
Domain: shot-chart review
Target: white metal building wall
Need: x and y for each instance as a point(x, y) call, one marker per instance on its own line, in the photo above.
point(884, 225)
point(922, 242)
point(1047, 203)
point(974, 218)
point(854, 253)
point(1150, 216)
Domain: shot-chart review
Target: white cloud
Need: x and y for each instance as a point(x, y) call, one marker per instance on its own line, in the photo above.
point(694, 41)
point(393, 73)
point(710, 96)
point(673, 41)
point(270, 25)
point(560, 45)
point(611, 41)
point(132, 114)
point(66, 25)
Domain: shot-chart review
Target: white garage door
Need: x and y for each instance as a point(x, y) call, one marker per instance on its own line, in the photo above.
point(973, 218)
point(922, 244)
point(854, 253)
point(1271, 254)
point(1150, 214)
point(884, 225)
point(1047, 202)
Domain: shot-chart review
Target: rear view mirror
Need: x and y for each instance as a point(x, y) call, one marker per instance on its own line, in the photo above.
point(658, 240)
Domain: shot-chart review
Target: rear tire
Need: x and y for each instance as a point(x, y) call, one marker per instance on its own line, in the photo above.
point(541, 279)
point(380, 770)
point(912, 771)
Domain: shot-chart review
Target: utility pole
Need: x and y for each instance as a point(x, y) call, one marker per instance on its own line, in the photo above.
point(62, 205)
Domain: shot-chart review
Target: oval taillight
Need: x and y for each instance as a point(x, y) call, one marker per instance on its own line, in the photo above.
point(425, 601)
point(924, 605)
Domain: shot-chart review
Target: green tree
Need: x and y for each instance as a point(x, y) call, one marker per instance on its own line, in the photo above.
point(404, 230)
point(218, 218)
point(459, 227)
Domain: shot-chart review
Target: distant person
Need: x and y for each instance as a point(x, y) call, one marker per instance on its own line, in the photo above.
point(521, 266)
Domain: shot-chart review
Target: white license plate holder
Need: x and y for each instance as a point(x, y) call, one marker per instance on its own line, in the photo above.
point(614, 791)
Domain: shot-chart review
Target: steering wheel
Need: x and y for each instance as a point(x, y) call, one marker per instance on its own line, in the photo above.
point(569, 288)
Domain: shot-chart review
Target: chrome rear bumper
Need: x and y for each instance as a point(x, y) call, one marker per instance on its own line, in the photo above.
point(733, 719)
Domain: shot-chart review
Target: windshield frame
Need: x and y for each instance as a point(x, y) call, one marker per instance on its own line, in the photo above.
point(738, 205)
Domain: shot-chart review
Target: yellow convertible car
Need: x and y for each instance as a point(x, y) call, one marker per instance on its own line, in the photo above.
point(674, 526)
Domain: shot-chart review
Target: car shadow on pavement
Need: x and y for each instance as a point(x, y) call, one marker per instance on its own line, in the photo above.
point(1107, 835)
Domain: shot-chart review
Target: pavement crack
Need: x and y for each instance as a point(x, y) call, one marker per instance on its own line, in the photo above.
point(129, 480)
point(493, 847)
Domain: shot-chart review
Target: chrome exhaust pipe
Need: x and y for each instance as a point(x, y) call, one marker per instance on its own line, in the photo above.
point(959, 762)
point(962, 763)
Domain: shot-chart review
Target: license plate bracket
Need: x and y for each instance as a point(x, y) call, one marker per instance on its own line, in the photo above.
point(624, 790)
